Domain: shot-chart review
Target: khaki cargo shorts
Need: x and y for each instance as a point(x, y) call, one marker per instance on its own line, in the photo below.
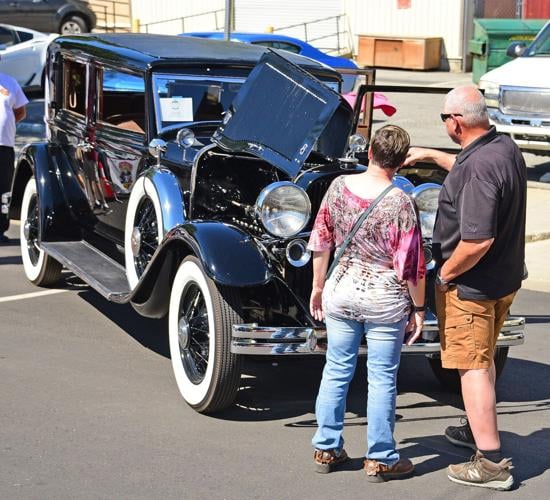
point(468, 329)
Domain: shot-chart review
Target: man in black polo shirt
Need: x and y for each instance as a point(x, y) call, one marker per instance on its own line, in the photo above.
point(479, 240)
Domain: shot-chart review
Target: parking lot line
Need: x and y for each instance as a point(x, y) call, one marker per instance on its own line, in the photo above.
point(24, 296)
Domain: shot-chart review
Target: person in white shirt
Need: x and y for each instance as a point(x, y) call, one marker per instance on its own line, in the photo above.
point(12, 110)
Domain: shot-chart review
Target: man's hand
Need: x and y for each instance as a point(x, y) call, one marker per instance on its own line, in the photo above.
point(415, 154)
point(414, 327)
point(316, 304)
point(442, 287)
point(440, 158)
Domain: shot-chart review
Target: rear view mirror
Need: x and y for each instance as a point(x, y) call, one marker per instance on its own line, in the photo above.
point(3, 46)
point(516, 49)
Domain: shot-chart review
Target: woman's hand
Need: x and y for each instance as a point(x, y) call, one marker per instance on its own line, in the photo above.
point(316, 304)
point(414, 327)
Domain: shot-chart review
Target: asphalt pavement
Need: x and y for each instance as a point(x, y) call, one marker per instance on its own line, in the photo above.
point(90, 409)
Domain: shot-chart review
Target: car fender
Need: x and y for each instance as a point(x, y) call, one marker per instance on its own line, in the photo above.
point(228, 256)
point(54, 182)
point(170, 195)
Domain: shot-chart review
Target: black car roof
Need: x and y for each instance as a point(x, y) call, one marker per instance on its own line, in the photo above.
point(141, 50)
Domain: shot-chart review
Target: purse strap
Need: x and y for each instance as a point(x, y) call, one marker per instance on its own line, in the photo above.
point(354, 229)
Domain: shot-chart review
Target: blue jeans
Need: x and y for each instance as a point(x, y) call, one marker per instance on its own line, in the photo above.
point(384, 341)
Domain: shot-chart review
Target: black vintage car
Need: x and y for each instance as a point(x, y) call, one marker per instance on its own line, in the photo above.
point(183, 176)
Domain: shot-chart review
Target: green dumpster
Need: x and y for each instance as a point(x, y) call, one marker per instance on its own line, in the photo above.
point(492, 37)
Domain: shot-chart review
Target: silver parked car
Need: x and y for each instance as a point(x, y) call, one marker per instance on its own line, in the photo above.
point(23, 55)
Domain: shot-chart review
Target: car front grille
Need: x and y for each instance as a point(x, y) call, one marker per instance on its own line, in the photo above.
point(525, 101)
point(299, 278)
point(316, 191)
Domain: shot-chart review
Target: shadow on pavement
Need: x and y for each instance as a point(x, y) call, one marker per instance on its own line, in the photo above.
point(13, 242)
point(536, 319)
point(529, 453)
point(10, 260)
point(275, 388)
point(150, 333)
point(289, 391)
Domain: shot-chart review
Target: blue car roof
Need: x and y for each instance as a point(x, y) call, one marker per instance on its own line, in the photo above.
point(307, 49)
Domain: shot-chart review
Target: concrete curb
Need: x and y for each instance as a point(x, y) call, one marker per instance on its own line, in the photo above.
point(529, 238)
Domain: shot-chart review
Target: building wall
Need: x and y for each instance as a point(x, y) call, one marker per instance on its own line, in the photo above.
point(536, 9)
point(263, 15)
point(249, 15)
point(452, 20)
point(154, 16)
point(112, 15)
point(423, 18)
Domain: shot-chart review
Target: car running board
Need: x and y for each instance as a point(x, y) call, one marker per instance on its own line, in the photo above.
point(98, 270)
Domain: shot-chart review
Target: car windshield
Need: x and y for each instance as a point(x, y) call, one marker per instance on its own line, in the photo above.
point(182, 99)
point(541, 44)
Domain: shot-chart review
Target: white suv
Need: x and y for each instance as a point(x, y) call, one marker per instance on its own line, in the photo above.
point(518, 94)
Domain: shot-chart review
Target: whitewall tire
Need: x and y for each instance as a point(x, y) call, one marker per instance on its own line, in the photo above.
point(40, 268)
point(200, 321)
point(143, 229)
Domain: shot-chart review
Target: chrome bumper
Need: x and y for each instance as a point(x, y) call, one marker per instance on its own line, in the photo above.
point(265, 340)
point(527, 132)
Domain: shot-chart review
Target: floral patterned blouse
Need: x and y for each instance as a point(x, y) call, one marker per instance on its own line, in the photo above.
point(370, 281)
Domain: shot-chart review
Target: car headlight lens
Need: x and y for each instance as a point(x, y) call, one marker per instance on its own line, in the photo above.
point(426, 197)
point(491, 94)
point(283, 208)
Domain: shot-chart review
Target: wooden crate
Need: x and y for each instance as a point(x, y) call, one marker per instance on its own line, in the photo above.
point(399, 52)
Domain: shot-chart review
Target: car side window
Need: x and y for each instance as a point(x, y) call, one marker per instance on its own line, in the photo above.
point(121, 100)
point(74, 87)
point(7, 37)
point(24, 36)
point(264, 44)
point(289, 47)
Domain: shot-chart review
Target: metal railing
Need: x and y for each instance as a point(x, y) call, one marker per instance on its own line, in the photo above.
point(339, 34)
point(108, 19)
point(182, 20)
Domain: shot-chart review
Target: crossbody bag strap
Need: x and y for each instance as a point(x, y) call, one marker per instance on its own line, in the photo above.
point(355, 228)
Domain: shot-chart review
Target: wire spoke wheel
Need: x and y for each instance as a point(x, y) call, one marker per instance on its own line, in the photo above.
point(194, 335)
point(40, 268)
point(146, 225)
point(33, 248)
point(200, 322)
point(143, 230)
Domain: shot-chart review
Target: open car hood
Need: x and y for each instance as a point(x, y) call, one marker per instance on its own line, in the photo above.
point(281, 113)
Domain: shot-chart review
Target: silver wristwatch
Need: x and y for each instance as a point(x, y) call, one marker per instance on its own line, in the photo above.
point(439, 281)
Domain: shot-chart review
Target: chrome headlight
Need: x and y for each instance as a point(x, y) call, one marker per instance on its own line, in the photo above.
point(284, 209)
point(426, 197)
point(491, 93)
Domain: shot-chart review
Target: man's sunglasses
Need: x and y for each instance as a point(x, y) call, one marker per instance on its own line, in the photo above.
point(446, 116)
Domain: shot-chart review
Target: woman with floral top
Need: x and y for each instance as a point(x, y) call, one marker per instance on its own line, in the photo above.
point(377, 289)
